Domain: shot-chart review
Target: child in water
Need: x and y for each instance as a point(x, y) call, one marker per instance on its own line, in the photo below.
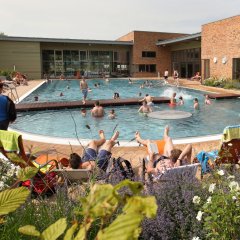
point(196, 104)
point(112, 114)
point(83, 112)
point(207, 100)
point(181, 101)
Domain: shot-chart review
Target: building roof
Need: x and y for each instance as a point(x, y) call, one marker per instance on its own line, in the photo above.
point(194, 36)
point(64, 40)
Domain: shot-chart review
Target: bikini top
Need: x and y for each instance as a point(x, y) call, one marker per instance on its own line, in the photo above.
point(158, 160)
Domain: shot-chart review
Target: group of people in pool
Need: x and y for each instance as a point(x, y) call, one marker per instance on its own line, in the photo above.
point(165, 155)
point(147, 103)
point(97, 111)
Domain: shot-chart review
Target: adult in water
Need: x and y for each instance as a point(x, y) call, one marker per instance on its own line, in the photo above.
point(84, 88)
point(145, 108)
point(97, 110)
point(91, 156)
point(167, 156)
point(148, 99)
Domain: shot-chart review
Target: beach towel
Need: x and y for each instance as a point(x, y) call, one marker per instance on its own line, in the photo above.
point(9, 140)
point(207, 160)
point(231, 132)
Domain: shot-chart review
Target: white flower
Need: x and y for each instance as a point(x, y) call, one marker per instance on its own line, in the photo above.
point(230, 177)
point(234, 198)
point(196, 238)
point(1, 185)
point(199, 216)
point(212, 187)
point(209, 200)
point(230, 144)
point(220, 172)
point(234, 186)
point(196, 199)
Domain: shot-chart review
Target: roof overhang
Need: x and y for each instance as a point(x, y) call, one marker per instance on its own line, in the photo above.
point(65, 40)
point(191, 37)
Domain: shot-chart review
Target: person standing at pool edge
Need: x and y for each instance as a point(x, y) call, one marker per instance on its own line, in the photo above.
point(84, 88)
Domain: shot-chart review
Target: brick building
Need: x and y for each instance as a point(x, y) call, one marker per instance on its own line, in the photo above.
point(213, 52)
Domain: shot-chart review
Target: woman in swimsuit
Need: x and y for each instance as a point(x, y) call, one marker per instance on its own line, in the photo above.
point(167, 157)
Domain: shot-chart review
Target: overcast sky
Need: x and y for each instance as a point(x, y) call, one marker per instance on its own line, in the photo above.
point(109, 19)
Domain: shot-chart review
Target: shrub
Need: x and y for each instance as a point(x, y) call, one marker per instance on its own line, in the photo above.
point(176, 216)
point(219, 211)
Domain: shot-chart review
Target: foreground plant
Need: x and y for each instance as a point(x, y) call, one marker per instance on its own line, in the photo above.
point(101, 205)
point(220, 211)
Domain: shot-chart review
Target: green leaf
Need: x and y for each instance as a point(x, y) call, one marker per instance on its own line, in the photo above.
point(83, 232)
point(125, 226)
point(15, 158)
point(26, 173)
point(11, 199)
point(70, 232)
point(100, 202)
point(142, 205)
point(55, 230)
point(29, 230)
point(136, 187)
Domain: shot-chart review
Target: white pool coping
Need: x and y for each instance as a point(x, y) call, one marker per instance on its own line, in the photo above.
point(84, 142)
point(123, 143)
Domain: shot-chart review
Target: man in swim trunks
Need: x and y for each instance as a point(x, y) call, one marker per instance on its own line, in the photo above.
point(145, 108)
point(92, 157)
point(148, 99)
point(84, 88)
point(97, 111)
point(167, 156)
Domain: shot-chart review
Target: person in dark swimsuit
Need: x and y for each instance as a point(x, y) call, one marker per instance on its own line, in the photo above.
point(167, 157)
point(92, 157)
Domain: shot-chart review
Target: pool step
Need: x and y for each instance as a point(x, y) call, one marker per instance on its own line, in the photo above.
point(39, 106)
point(224, 95)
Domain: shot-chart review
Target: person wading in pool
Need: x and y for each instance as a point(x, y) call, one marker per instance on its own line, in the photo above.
point(148, 99)
point(98, 110)
point(84, 88)
point(92, 157)
point(167, 156)
point(145, 108)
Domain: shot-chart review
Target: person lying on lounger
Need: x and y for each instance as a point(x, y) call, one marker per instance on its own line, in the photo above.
point(164, 155)
point(91, 156)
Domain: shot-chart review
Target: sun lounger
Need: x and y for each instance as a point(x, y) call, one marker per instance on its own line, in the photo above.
point(73, 175)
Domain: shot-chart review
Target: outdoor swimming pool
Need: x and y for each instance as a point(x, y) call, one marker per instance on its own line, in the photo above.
point(50, 92)
point(209, 120)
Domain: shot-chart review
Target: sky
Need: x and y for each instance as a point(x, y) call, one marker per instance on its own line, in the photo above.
point(109, 19)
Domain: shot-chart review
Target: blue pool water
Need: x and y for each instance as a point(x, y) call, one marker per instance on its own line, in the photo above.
point(50, 92)
point(210, 119)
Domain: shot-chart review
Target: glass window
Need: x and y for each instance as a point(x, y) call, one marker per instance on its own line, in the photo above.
point(48, 55)
point(149, 54)
point(236, 68)
point(142, 68)
point(115, 56)
point(67, 55)
point(93, 55)
point(75, 55)
point(83, 55)
point(58, 55)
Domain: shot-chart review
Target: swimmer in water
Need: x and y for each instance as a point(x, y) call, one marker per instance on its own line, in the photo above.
point(83, 112)
point(195, 104)
point(61, 94)
point(207, 100)
point(145, 108)
point(181, 101)
point(112, 114)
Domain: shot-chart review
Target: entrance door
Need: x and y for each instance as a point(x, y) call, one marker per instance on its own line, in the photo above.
point(190, 70)
point(206, 66)
point(183, 70)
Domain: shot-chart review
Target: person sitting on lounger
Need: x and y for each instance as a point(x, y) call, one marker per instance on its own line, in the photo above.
point(197, 77)
point(165, 156)
point(91, 157)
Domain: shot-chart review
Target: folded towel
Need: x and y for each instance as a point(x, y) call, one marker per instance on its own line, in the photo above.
point(230, 133)
point(9, 140)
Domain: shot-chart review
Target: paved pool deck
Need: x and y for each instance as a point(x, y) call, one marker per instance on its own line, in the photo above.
point(135, 154)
